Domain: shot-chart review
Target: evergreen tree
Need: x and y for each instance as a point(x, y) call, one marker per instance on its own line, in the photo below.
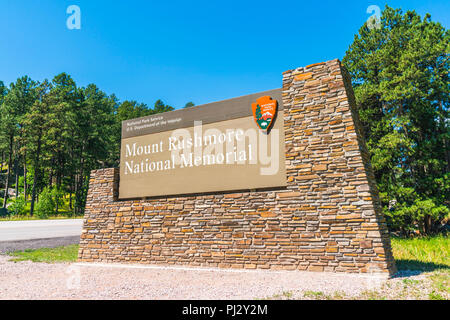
point(3, 142)
point(92, 144)
point(131, 110)
point(16, 104)
point(36, 137)
point(65, 99)
point(258, 112)
point(189, 105)
point(3, 91)
point(401, 82)
point(160, 107)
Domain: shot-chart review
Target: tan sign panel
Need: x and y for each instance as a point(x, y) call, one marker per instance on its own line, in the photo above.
point(210, 148)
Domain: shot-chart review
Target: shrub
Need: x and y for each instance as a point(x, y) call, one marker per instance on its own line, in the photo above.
point(46, 205)
point(3, 212)
point(18, 206)
point(423, 216)
point(48, 199)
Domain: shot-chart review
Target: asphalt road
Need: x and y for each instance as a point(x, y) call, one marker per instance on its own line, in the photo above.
point(33, 234)
point(39, 229)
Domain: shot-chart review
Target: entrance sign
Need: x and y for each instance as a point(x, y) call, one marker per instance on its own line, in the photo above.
point(204, 149)
point(275, 180)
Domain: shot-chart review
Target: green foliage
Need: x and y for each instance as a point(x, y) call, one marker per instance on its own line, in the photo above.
point(160, 107)
point(18, 207)
point(258, 112)
point(189, 105)
point(401, 83)
point(415, 216)
point(3, 212)
point(45, 205)
point(21, 182)
point(3, 92)
point(131, 109)
point(48, 199)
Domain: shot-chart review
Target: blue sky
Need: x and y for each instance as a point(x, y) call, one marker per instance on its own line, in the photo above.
point(180, 51)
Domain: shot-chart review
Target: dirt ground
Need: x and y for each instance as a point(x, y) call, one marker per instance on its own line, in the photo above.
point(28, 280)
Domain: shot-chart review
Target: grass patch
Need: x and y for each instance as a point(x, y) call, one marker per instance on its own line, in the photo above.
point(315, 295)
point(430, 256)
point(48, 255)
point(426, 254)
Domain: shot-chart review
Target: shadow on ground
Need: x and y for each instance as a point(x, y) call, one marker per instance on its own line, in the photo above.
point(407, 267)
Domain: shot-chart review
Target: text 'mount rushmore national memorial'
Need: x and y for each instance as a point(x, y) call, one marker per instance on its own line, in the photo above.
point(279, 179)
point(209, 148)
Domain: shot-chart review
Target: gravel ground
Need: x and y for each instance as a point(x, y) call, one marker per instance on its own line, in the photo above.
point(28, 280)
point(19, 245)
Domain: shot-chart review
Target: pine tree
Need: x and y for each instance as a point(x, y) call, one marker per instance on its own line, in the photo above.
point(16, 104)
point(36, 138)
point(258, 112)
point(401, 82)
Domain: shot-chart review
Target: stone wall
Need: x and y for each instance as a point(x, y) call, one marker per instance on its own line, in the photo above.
point(328, 219)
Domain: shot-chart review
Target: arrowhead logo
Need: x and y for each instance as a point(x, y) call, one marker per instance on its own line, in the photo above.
point(264, 111)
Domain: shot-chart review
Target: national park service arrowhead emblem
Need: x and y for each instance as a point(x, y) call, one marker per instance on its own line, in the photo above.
point(264, 111)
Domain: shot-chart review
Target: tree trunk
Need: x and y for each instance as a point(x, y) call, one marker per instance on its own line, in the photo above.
point(17, 168)
point(80, 182)
point(16, 165)
point(25, 176)
point(56, 203)
point(428, 224)
point(59, 180)
point(445, 141)
point(36, 176)
point(50, 176)
point(8, 175)
point(33, 194)
point(71, 191)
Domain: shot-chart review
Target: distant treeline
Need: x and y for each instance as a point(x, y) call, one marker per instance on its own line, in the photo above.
point(53, 133)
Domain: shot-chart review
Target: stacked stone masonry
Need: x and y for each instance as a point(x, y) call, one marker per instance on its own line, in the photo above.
point(327, 219)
